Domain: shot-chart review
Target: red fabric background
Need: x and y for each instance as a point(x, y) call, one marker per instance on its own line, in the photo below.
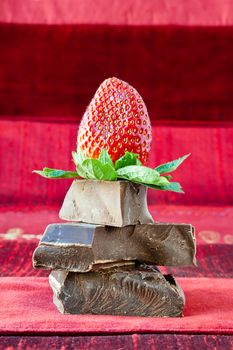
point(207, 176)
point(209, 306)
point(180, 59)
point(130, 12)
point(183, 73)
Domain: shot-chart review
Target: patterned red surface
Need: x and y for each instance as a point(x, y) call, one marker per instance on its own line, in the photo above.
point(214, 260)
point(126, 342)
point(208, 310)
point(22, 227)
point(213, 224)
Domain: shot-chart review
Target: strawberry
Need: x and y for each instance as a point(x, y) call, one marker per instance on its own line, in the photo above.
point(116, 120)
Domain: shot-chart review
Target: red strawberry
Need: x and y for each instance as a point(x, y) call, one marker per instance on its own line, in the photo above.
point(115, 120)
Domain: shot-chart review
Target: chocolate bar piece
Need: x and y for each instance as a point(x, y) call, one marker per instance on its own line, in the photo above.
point(82, 247)
point(113, 203)
point(136, 291)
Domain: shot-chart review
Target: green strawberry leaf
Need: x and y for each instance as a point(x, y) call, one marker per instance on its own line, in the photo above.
point(82, 172)
point(171, 166)
point(168, 177)
point(162, 181)
point(56, 173)
point(47, 170)
point(138, 173)
point(128, 159)
point(96, 170)
point(78, 157)
point(105, 158)
point(128, 168)
point(173, 186)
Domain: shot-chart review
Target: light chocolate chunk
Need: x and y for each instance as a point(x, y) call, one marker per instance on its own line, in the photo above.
point(113, 203)
point(84, 247)
point(134, 291)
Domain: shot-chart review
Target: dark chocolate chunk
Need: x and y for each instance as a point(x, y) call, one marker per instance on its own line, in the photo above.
point(136, 291)
point(113, 203)
point(82, 247)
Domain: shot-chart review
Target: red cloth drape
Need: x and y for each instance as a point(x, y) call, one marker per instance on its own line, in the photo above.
point(26, 307)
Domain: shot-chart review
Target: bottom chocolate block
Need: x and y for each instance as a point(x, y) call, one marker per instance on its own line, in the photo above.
point(135, 291)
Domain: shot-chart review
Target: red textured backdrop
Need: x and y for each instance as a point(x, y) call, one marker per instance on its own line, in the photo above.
point(130, 12)
point(207, 176)
point(183, 73)
point(53, 56)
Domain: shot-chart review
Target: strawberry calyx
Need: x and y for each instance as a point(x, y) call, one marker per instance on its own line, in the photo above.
point(128, 167)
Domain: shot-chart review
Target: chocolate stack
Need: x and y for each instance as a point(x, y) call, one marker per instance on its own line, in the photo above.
point(107, 264)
